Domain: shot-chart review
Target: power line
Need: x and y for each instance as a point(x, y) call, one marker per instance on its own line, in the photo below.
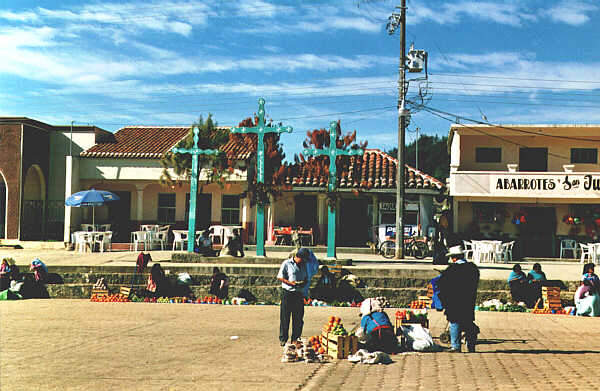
point(431, 109)
point(489, 134)
point(514, 78)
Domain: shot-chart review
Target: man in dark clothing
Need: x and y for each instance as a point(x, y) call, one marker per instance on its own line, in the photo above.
point(458, 292)
point(219, 284)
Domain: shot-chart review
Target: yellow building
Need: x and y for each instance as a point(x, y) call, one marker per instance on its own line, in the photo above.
point(534, 183)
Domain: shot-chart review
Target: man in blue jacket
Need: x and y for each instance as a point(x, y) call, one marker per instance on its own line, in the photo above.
point(295, 274)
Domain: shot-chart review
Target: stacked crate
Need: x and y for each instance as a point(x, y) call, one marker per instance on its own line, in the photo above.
point(339, 346)
point(551, 297)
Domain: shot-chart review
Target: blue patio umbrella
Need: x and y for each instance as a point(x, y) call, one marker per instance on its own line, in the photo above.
point(91, 198)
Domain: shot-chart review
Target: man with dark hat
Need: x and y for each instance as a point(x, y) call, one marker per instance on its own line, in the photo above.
point(295, 274)
point(458, 292)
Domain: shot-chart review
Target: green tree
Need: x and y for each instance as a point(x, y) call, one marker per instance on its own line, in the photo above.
point(214, 169)
point(433, 156)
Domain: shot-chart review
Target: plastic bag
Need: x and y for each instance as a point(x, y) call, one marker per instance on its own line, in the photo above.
point(184, 279)
point(418, 338)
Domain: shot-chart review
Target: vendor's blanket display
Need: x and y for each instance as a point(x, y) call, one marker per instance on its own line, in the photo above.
point(301, 351)
point(364, 357)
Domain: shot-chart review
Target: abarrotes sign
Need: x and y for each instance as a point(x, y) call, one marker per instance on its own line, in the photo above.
point(546, 185)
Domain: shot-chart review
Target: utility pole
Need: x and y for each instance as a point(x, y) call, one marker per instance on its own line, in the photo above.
point(395, 21)
point(417, 149)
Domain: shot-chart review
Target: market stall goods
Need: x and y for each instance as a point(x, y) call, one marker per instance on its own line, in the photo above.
point(336, 341)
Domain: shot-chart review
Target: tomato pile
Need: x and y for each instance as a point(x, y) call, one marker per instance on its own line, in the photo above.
point(118, 298)
point(419, 304)
point(315, 342)
point(412, 316)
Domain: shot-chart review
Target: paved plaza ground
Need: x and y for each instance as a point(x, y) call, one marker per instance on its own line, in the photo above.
point(80, 345)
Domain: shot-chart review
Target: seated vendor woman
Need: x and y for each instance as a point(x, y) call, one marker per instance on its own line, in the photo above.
point(587, 296)
point(378, 329)
point(519, 288)
point(536, 278)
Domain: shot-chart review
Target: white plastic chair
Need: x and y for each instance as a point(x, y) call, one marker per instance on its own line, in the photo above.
point(587, 251)
point(568, 245)
point(87, 227)
point(104, 227)
point(104, 241)
point(509, 251)
point(161, 238)
point(179, 237)
point(82, 241)
point(468, 248)
point(218, 232)
point(138, 237)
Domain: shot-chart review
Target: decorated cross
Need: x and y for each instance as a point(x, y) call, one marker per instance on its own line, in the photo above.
point(260, 129)
point(194, 151)
point(333, 152)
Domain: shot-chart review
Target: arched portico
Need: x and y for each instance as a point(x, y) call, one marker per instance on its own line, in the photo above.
point(34, 197)
point(3, 206)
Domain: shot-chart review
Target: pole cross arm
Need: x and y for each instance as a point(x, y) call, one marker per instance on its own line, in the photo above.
point(196, 151)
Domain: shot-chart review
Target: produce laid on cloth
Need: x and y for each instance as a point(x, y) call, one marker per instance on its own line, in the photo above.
point(497, 305)
point(118, 298)
point(301, 351)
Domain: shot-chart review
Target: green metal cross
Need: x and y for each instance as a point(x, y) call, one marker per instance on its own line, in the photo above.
point(260, 131)
point(194, 151)
point(333, 152)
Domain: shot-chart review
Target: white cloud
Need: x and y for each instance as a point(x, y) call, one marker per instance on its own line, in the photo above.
point(19, 16)
point(572, 13)
point(12, 38)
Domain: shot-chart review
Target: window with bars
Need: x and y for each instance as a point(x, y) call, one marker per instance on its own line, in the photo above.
point(230, 209)
point(584, 155)
point(166, 208)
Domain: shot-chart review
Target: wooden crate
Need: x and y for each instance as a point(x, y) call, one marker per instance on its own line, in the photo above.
point(551, 297)
point(339, 346)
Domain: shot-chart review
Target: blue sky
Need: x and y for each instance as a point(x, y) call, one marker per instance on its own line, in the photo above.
point(113, 64)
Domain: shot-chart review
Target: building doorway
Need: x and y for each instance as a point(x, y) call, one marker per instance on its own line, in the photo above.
point(119, 216)
point(305, 212)
point(203, 210)
point(34, 197)
point(533, 159)
point(353, 217)
point(537, 236)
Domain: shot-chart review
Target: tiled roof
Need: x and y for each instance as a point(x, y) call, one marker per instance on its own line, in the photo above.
point(373, 170)
point(151, 142)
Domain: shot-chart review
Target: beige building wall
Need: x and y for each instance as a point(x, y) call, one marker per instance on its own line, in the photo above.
point(466, 140)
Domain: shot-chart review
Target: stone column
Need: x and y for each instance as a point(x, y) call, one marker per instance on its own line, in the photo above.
point(375, 221)
point(322, 217)
point(455, 215)
point(140, 203)
point(246, 218)
point(271, 210)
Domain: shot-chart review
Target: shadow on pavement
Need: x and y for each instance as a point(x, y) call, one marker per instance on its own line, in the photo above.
point(543, 351)
point(493, 341)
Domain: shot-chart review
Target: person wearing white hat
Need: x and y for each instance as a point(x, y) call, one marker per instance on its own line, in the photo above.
point(458, 292)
